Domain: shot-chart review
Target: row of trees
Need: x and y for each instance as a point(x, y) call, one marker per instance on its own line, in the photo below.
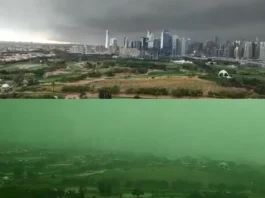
point(178, 93)
point(30, 96)
point(21, 192)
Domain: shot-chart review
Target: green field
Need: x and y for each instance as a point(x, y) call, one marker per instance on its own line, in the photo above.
point(173, 173)
point(28, 66)
point(167, 73)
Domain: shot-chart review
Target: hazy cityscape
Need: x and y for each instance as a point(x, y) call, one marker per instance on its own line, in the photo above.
point(152, 47)
point(167, 44)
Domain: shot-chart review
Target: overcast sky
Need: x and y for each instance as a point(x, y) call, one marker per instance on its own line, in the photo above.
point(85, 21)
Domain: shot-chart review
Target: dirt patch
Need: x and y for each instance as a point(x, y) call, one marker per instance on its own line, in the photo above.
point(159, 82)
point(168, 82)
point(54, 73)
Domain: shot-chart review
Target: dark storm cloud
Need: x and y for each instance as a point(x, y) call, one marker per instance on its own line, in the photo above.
point(86, 20)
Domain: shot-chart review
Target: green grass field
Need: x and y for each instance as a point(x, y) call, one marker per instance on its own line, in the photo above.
point(59, 77)
point(172, 173)
point(29, 66)
point(167, 73)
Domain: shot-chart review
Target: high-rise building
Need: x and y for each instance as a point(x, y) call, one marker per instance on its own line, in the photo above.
point(176, 46)
point(113, 42)
point(77, 49)
point(262, 51)
point(126, 42)
point(183, 46)
point(136, 44)
point(107, 39)
point(236, 53)
point(257, 50)
point(150, 40)
point(216, 41)
point(157, 44)
point(113, 46)
point(248, 50)
point(144, 43)
point(166, 43)
point(88, 49)
point(188, 46)
point(150, 36)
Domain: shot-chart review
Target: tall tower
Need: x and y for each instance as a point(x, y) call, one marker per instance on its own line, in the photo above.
point(166, 42)
point(107, 39)
point(262, 51)
point(148, 34)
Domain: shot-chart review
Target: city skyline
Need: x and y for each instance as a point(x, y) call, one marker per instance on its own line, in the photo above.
point(79, 22)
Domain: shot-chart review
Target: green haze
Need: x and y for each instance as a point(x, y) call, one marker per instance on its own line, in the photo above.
point(226, 129)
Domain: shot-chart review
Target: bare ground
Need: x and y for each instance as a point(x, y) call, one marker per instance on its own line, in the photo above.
point(57, 72)
point(171, 82)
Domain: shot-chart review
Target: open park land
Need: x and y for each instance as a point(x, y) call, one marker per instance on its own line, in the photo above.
point(72, 76)
point(88, 173)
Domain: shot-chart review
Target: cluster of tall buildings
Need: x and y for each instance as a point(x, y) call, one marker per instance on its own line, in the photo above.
point(240, 49)
point(87, 49)
point(168, 44)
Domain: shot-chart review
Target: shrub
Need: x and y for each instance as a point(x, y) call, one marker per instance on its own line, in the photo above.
point(142, 70)
point(30, 96)
point(148, 91)
point(32, 88)
point(130, 91)
point(94, 74)
point(73, 78)
point(229, 94)
point(113, 90)
point(78, 88)
point(186, 92)
point(110, 74)
point(104, 93)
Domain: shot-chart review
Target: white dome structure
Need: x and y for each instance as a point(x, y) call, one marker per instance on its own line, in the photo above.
point(224, 74)
point(223, 166)
point(5, 178)
point(5, 87)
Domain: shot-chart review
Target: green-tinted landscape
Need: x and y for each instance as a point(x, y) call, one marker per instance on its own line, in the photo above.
point(83, 76)
point(192, 148)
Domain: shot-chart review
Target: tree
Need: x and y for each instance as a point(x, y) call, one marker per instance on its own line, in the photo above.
point(137, 97)
point(104, 94)
point(105, 187)
point(82, 95)
point(137, 192)
point(60, 193)
point(53, 176)
point(195, 194)
point(53, 85)
point(19, 78)
point(32, 82)
point(19, 171)
point(81, 193)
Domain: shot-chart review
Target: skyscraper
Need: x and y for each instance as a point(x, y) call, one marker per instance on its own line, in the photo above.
point(248, 50)
point(113, 42)
point(150, 40)
point(157, 44)
point(166, 42)
point(144, 43)
point(257, 49)
point(216, 41)
point(176, 46)
point(236, 53)
point(262, 51)
point(126, 42)
point(183, 46)
point(107, 39)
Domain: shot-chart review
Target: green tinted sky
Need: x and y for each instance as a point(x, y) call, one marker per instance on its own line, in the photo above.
point(220, 128)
